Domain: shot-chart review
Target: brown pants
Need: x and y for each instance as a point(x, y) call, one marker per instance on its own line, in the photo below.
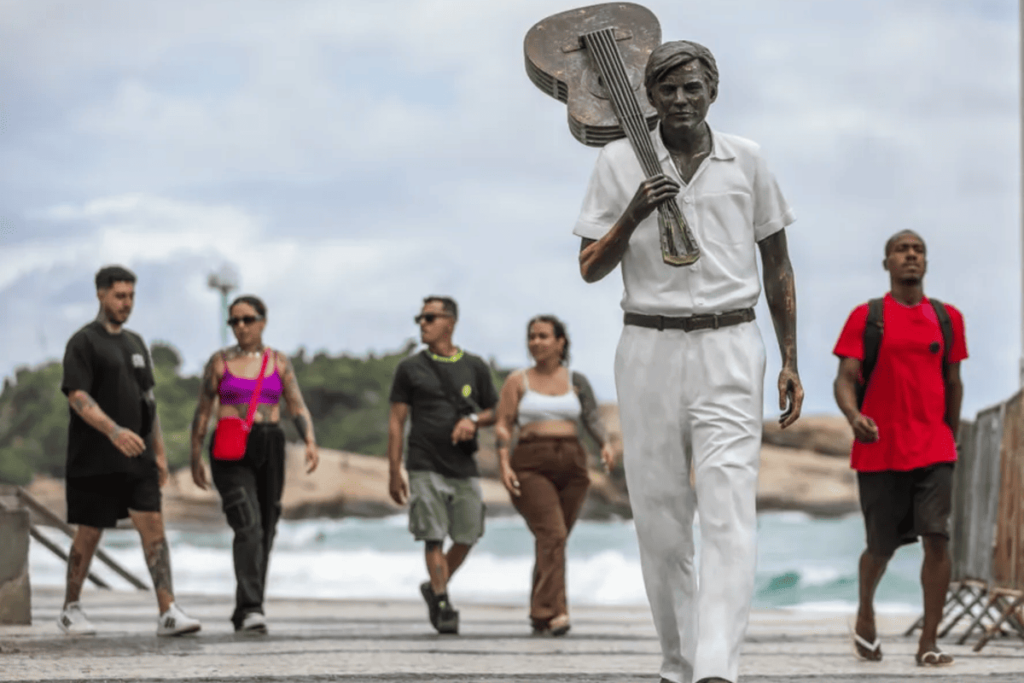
point(553, 479)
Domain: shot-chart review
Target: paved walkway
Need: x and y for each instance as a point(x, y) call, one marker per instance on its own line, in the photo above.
point(385, 641)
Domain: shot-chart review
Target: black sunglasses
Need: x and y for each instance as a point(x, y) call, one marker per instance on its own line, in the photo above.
point(429, 317)
point(247, 319)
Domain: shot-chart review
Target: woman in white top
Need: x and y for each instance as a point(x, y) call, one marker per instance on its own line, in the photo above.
point(546, 474)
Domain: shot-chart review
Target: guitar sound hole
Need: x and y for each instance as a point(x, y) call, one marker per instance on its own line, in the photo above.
point(594, 81)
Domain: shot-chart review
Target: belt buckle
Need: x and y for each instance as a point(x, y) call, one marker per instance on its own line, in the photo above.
point(714, 321)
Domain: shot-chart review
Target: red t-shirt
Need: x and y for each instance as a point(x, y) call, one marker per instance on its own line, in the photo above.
point(906, 396)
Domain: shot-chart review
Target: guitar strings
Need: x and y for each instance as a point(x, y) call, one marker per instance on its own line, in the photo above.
point(602, 47)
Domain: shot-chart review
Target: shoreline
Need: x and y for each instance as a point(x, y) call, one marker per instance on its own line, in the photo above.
point(801, 470)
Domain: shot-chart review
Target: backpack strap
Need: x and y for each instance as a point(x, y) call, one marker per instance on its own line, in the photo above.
point(946, 325)
point(464, 405)
point(873, 328)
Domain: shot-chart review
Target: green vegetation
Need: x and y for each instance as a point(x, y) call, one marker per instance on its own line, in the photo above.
point(347, 397)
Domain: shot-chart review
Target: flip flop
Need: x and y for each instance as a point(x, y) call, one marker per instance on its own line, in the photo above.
point(875, 647)
point(933, 658)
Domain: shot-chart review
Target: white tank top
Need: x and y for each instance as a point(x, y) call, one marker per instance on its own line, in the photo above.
point(536, 407)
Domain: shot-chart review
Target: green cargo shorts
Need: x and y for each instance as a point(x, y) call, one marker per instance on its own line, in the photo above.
point(442, 506)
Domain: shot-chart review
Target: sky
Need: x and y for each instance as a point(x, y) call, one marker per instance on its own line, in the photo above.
point(347, 158)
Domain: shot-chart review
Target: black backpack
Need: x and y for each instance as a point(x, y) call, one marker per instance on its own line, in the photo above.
point(873, 341)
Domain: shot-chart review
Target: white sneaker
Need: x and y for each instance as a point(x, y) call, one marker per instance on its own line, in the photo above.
point(253, 622)
point(72, 621)
point(174, 622)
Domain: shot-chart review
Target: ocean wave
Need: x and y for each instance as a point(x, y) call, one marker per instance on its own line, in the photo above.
point(808, 564)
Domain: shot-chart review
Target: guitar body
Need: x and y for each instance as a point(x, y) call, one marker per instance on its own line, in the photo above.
point(558, 64)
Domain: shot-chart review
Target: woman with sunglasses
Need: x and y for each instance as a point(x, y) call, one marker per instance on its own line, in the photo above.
point(546, 474)
point(250, 488)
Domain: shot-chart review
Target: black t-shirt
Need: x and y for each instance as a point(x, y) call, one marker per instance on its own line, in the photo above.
point(434, 415)
point(114, 369)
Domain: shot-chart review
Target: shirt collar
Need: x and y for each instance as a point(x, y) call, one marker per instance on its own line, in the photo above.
point(720, 148)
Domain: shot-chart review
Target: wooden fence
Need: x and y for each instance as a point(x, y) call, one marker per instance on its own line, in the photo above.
point(987, 526)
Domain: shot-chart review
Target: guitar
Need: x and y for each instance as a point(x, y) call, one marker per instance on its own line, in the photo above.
point(593, 59)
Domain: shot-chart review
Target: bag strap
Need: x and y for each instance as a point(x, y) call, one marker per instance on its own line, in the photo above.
point(455, 397)
point(946, 325)
point(873, 341)
point(254, 401)
point(873, 328)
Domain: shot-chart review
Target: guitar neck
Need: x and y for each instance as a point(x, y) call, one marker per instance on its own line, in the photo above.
point(605, 53)
point(678, 245)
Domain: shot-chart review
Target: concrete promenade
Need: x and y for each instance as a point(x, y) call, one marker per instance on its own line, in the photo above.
point(385, 641)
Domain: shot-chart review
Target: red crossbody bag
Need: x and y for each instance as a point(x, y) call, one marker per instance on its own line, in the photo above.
point(233, 432)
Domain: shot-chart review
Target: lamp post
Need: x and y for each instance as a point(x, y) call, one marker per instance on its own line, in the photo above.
point(224, 280)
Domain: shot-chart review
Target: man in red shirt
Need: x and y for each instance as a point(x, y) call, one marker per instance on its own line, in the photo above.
point(904, 448)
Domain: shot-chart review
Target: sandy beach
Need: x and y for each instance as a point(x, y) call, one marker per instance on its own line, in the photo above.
point(382, 641)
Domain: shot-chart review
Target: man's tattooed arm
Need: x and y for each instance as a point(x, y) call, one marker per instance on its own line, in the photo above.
point(158, 433)
point(86, 407)
point(293, 399)
point(780, 293)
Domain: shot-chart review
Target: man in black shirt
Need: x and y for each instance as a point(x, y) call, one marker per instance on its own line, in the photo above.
point(116, 459)
point(450, 395)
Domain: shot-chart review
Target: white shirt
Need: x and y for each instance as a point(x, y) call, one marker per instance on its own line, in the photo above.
point(731, 203)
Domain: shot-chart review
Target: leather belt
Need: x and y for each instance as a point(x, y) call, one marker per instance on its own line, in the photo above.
point(710, 321)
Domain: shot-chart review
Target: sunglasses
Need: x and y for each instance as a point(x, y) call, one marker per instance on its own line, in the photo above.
point(247, 319)
point(429, 317)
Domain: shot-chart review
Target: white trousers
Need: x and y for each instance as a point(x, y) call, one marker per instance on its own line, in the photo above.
point(694, 399)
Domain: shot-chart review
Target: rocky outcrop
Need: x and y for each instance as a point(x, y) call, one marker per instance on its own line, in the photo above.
point(823, 434)
point(804, 467)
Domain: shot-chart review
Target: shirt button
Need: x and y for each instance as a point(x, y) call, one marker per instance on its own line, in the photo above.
point(688, 200)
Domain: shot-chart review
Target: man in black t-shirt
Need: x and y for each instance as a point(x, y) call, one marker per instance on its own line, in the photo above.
point(450, 395)
point(116, 459)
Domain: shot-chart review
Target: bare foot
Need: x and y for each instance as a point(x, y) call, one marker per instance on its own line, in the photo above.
point(866, 641)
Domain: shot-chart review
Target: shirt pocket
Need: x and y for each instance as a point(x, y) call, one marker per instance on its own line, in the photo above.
point(726, 217)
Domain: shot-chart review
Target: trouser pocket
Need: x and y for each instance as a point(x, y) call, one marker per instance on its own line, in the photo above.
point(238, 508)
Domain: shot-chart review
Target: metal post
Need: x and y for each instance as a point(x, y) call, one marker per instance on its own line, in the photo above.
point(225, 281)
point(223, 317)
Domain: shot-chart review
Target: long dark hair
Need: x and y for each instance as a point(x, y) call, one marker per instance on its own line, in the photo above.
point(559, 328)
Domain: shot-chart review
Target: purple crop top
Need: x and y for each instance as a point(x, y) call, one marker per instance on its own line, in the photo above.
point(236, 391)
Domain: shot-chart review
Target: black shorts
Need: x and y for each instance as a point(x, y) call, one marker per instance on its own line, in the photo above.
point(900, 506)
point(100, 500)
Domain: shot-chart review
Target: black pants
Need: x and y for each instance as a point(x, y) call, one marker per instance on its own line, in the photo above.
point(250, 492)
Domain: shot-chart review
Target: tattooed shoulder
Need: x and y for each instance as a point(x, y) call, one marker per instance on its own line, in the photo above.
point(211, 374)
point(284, 363)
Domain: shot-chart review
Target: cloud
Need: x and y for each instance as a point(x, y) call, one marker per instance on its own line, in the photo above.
point(350, 157)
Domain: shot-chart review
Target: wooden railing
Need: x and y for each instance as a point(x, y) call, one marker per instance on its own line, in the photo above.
point(41, 512)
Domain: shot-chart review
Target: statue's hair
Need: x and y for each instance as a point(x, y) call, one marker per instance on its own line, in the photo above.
point(668, 56)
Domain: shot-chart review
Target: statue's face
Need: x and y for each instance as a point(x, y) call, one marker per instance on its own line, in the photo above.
point(683, 96)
